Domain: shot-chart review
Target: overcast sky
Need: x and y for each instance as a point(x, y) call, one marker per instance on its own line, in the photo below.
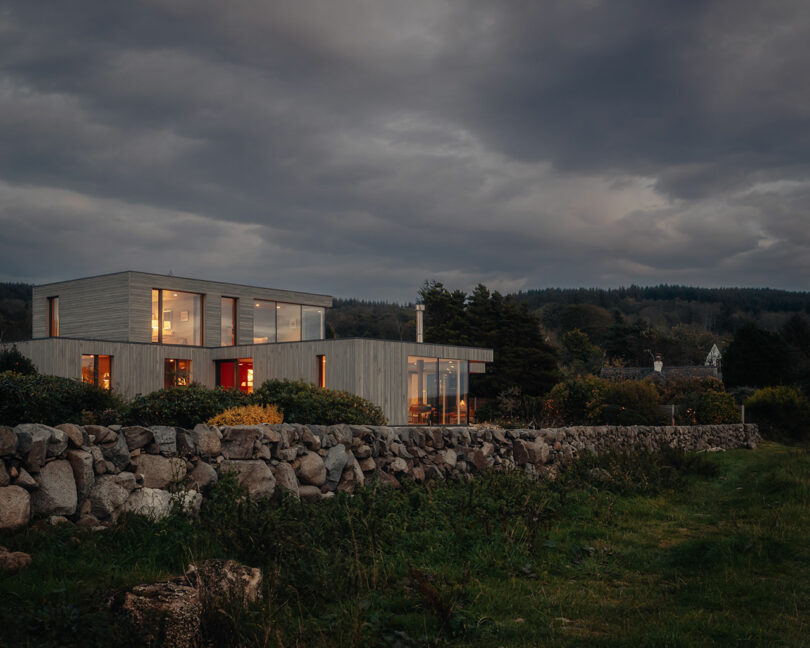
point(360, 147)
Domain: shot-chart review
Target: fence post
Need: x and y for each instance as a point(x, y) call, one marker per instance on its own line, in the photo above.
point(673, 414)
point(742, 413)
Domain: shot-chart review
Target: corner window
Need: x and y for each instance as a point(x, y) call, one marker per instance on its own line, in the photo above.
point(312, 323)
point(437, 391)
point(228, 322)
point(177, 317)
point(176, 373)
point(97, 370)
point(53, 316)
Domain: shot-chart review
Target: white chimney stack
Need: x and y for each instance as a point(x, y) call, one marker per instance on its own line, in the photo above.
point(420, 333)
point(658, 363)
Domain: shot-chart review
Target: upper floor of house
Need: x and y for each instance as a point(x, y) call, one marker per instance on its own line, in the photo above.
point(150, 308)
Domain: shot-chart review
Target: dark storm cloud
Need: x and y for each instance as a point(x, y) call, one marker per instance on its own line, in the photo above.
point(360, 147)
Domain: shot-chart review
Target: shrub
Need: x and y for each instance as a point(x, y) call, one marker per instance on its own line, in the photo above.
point(247, 415)
point(183, 406)
point(629, 402)
point(12, 360)
point(51, 400)
point(572, 400)
point(780, 412)
point(305, 403)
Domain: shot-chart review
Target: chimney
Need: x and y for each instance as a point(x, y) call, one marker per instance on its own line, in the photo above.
point(658, 363)
point(420, 333)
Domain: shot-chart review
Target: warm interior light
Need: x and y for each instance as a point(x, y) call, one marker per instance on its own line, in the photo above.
point(154, 325)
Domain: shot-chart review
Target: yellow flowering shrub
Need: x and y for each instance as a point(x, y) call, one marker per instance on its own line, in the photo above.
point(248, 415)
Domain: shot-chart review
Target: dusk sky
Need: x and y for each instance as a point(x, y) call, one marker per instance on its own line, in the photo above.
point(360, 147)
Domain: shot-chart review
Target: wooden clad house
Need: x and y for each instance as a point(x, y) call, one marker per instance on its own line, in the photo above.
point(136, 332)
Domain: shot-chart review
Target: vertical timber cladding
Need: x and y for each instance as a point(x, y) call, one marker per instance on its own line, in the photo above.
point(140, 314)
point(95, 308)
point(373, 369)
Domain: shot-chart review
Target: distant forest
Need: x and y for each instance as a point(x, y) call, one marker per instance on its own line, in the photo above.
point(15, 311)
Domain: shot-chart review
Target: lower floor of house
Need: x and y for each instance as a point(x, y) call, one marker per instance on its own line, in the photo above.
point(413, 383)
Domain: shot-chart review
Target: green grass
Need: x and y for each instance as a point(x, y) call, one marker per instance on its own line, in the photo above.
point(672, 550)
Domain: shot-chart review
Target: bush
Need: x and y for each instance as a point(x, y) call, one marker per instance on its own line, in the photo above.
point(780, 412)
point(12, 360)
point(247, 415)
point(629, 402)
point(572, 400)
point(183, 406)
point(709, 408)
point(51, 400)
point(305, 403)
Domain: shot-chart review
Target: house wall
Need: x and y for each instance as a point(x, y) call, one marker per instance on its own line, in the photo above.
point(91, 308)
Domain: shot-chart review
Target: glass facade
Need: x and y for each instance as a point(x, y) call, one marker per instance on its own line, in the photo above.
point(312, 322)
point(97, 370)
point(437, 391)
point(228, 322)
point(264, 321)
point(176, 373)
point(176, 317)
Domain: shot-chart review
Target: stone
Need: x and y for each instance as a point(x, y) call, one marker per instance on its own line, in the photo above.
point(159, 471)
point(309, 493)
point(32, 444)
point(127, 480)
point(185, 443)
point(25, 480)
point(102, 433)
point(56, 520)
point(286, 479)
point(13, 561)
point(203, 476)
point(137, 436)
point(81, 462)
point(253, 475)
point(347, 483)
point(367, 465)
point(74, 434)
point(106, 496)
point(238, 441)
point(387, 479)
point(525, 452)
point(310, 439)
point(270, 434)
point(5, 478)
point(207, 440)
point(115, 451)
point(56, 494)
point(479, 460)
point(8, 441)
point(418, 473)
point(449, 457)
point(334, 463)
point(156, 503)
point(15, 508)
point(311, 469)
point(57, 444)
point(399, 465)
point(362, 451)
point(166, 614)
point(165, 438)
point(221, 581)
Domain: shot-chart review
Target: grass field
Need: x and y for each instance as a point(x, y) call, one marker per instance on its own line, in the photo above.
point(648, 550)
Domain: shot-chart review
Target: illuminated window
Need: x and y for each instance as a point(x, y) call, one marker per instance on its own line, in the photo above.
point(321, 371)
point(97, 370)
point(176, 373)
point(228, 322)
point(288, 322)
point(53, 316)
point(437, 391)
point(177, 317)
point(235, 374)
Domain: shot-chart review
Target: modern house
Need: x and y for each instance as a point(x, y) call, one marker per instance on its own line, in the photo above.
point(136, 332)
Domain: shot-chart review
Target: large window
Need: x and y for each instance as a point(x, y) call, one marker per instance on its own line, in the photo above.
point(97, 370)
point(235, 374)
point(264, 321)
point(176, 317)
point(288, 322)
point(176, 373)
point(437, 391)
point(53, 316)
point(312, 323)
point(228, 322)
point(280, 322)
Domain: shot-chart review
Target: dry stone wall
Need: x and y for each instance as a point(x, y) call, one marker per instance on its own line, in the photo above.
point(92, 474)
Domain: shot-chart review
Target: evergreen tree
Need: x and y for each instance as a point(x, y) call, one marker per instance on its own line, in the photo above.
point(757, 358)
